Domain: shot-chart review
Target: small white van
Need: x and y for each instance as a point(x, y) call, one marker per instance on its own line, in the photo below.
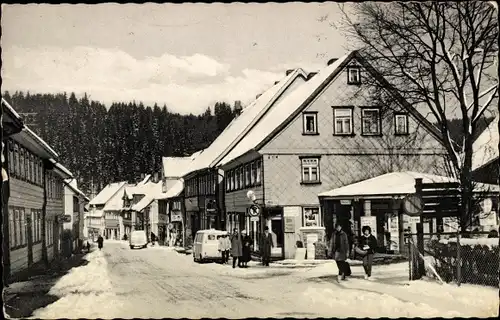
point(206, 245)
point(138, 239)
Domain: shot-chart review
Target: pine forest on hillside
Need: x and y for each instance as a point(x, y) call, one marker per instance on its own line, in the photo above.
point(100, 145)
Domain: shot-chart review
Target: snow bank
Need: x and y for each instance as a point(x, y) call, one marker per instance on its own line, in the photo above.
point(490, 242)
point(85, 292)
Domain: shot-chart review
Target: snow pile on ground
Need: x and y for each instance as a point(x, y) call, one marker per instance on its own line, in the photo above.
point(473, 296)
point(357, 303)
point(85, 292)
point(491, 242)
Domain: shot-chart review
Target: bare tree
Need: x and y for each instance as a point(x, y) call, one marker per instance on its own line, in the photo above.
point(440, 56)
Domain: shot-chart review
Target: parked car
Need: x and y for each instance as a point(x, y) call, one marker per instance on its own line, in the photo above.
point(206, 245)
point(138, 239)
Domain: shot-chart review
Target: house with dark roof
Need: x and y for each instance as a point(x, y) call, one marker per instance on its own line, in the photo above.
point(204, 187)
point(332, 130)
point(32, 196)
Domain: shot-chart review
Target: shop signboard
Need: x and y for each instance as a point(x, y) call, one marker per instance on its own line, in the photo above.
point(370, 221)
point(176, 218)
point(289, 224)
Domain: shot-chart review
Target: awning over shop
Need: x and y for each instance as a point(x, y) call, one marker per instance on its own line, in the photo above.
point(393, 184)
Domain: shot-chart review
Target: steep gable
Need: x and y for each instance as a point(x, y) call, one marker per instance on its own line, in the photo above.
point(244, 122)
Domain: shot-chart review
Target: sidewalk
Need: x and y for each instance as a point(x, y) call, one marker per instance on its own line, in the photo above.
point(30, 289)
point(378, 259)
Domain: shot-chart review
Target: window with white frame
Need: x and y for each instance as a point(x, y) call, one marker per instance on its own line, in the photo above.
point(310, 170)
point(353, 75)
point(311, 217)
point(233, 179)
point(401, 124)
point(370, 121)
point(248, 175)
point(342, 121)
point(258, 175)
point(310, 122)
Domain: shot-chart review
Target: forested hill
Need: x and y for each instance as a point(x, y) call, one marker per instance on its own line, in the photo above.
point(118, 143)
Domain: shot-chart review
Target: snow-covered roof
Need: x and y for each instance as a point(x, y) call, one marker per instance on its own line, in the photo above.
point(173, 192)
point(485, 147)
point(176, 167)
point(72, 184)
point(151, 191)
point(60, 169)
point(394, 183)
point(10, 109)
point(243, 123)
point(40, 141)
point(108, 192)
point(279, 113)
point(145, 180)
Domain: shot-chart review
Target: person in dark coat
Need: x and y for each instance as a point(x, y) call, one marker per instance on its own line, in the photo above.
point(153, 239)
point(236, 248)
point(339, 250)
point(247, 243)
point(100, 241)
point(367, 244)
point(266, 245)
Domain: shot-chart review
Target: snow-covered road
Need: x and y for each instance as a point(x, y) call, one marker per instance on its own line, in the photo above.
point(157, 282)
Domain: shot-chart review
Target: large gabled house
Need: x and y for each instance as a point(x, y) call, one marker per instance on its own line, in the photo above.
point(331, 131)
point(32, 196)
point(204, 187)
point(97, 222)
point(171, 199)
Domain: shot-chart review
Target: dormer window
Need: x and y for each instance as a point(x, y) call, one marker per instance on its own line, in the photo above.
point(353, 75)
point(310, 123)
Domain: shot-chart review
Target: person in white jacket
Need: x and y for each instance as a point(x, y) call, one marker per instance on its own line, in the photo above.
point(227, 247)
point(221, 246)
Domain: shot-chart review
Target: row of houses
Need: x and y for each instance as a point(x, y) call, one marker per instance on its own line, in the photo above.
point(314, 149)
point(40, 199)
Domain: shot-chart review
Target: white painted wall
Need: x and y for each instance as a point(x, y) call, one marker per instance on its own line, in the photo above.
point(68, 207)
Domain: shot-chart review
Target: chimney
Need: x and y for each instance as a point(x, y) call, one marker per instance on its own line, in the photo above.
point(237, 107)
point(257, 96)
point(331, 61)
point(289, 71)
point(310, 75)
point(276, 82)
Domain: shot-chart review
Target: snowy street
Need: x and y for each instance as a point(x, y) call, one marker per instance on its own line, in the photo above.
point(157, 282)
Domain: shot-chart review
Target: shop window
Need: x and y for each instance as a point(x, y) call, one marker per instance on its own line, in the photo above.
point(311, 217)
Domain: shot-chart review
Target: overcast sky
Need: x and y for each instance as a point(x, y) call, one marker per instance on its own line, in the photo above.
point(184, 55)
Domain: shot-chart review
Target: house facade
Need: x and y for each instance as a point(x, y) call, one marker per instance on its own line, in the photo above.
point(204, 183)
point(74, 207)
point(97, 222)
point(327, 133)
point(33, 197)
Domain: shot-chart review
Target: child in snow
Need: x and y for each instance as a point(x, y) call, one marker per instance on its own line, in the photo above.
point(367, 245)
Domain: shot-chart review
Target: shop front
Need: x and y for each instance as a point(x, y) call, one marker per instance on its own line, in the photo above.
point(162, 228)
point(176, 229)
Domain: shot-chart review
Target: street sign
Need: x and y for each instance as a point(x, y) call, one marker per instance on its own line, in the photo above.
point(413, 205)
point(254, 219)
point(254, 210)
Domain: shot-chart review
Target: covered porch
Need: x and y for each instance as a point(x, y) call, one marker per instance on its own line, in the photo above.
point(378, 203)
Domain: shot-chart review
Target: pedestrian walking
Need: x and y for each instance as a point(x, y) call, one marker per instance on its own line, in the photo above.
point(367, 245)
point(100, 241)
point(227, 247)
point(339, 249)
point(221, 246)
point(247, 243)
point(153, 239)
point(236, 248)
point(266, 246)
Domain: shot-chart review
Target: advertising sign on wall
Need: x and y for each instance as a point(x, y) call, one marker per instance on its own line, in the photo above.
point(370, 221)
